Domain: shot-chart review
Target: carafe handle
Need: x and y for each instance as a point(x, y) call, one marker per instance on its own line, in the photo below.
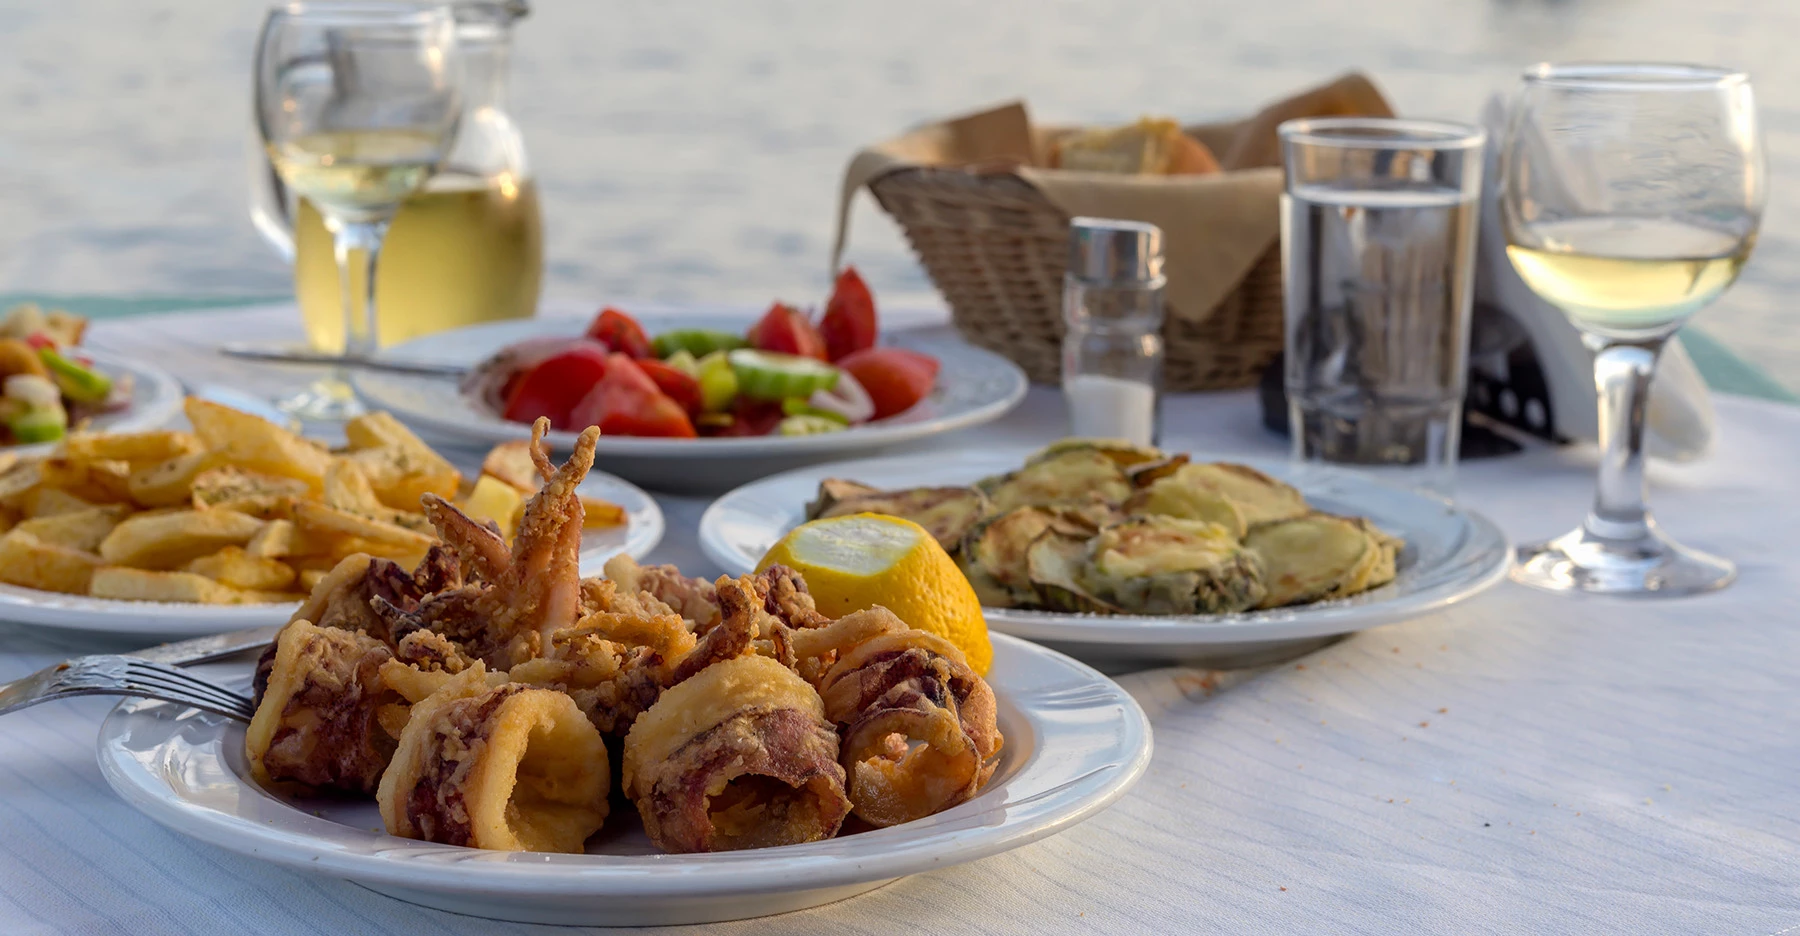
point(271, 204)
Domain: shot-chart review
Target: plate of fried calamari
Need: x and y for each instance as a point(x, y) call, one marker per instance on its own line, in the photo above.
point(231, 523)
point(1116, 551)
point(490, 733)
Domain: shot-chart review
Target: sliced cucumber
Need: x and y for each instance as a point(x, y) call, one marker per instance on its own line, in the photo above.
point(698, 342)
point(765, 375)
point(78, 383)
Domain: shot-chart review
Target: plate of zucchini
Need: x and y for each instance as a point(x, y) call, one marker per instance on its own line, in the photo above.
point(1114, 551)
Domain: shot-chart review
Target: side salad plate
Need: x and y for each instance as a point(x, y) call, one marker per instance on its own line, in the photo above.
point(152, 398)
point(1424, 553)
point(972, 386)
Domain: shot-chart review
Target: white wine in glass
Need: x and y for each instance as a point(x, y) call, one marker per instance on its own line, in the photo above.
point(1631, 197)
point(1628, 276)
point(357, 104)
point(353, 173)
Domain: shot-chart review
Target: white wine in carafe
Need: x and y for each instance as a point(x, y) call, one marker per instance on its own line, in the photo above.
point(464, 250)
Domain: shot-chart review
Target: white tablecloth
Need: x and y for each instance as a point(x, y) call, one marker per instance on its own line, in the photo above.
point(1526, 763)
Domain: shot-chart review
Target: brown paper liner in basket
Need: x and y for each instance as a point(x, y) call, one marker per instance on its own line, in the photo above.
point(991, 230)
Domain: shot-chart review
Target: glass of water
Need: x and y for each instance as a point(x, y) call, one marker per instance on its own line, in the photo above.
point(1378, 257)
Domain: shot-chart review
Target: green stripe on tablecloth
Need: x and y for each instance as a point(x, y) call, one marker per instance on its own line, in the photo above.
point(105, 307)
point(1723, 370)
point(1727, 373)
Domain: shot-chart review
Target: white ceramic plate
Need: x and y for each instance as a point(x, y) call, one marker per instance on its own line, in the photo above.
point(1451, 555)
point(640, 534)
point(973, 387)
point(155, 399)
point(1075, 742)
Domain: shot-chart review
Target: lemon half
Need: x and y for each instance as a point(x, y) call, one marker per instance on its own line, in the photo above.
point(861, 560)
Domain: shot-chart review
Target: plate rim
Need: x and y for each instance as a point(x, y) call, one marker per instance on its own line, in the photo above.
point(514, 875)
point(22, 605)
point(859, 437)
point(1147, 632)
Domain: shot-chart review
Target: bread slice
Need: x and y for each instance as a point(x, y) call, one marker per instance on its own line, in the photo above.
point(1152, 146)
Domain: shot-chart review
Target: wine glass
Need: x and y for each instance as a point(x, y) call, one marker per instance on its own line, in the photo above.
point(357, 104)
point(1630, 196)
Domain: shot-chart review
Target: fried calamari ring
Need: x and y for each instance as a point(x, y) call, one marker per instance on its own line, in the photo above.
point(738, 756)
point(324, 714)
point(919, 731)
point(504, 767)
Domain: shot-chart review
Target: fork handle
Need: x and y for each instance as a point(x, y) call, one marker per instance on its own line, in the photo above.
point(208, 648)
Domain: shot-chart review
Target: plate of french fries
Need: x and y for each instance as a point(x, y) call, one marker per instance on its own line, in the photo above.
point(230, 523)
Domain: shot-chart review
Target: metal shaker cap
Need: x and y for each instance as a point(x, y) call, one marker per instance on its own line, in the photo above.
point(1108, 251)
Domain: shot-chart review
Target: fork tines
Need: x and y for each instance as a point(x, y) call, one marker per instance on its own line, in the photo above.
point(171, 683)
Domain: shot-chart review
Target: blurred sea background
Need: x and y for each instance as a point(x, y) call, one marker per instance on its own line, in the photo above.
point(694, 150)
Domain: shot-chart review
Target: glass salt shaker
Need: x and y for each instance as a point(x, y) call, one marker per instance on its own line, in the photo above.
point(1112, 349)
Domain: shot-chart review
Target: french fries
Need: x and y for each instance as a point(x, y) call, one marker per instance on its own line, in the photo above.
point(169, 540)
point(138, 448)
point(126, 584)
point(256, 444)
point(510, 462)
point(400, 467)
point(239, 510)
point(82, 530)
point(235, 567)
point(31, 562)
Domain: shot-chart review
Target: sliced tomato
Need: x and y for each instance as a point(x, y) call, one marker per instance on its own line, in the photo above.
point(620, 333)
point(848, 325)
point(678, 385)
point(785, 330)
point(626, 402)
point(554, 385)
point(895, 377)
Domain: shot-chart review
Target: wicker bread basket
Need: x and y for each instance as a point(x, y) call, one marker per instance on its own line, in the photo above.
point(991, 227)
point(996, 248)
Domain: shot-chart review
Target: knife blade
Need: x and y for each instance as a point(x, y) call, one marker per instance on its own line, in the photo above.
point(208, 648)
point(302, 356)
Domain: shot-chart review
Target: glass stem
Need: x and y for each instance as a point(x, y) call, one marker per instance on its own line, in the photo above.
point(354, 241)
point(1622, 372)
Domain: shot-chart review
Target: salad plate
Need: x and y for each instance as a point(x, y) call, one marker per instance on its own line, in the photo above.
point(1075, 743)
point(973, 386)
point(155, 399)
point(1450, 555)
point(641, 532)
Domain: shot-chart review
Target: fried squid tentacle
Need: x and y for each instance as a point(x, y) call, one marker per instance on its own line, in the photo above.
point(737, 756)
point(529, 591)
point(324, 715)
point(506, 767)
point(479, 548)
point(919, 731)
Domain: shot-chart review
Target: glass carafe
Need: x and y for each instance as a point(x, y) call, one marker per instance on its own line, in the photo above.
point(468, 248)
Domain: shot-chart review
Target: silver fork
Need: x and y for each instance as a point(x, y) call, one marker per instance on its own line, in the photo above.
point(124, 676)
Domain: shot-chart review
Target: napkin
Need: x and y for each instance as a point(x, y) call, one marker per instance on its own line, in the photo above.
point(1215, 227)
point(1680, 420)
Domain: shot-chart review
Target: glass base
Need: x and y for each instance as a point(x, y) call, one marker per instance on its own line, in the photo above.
point(324, 401)
point(1651, 565)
